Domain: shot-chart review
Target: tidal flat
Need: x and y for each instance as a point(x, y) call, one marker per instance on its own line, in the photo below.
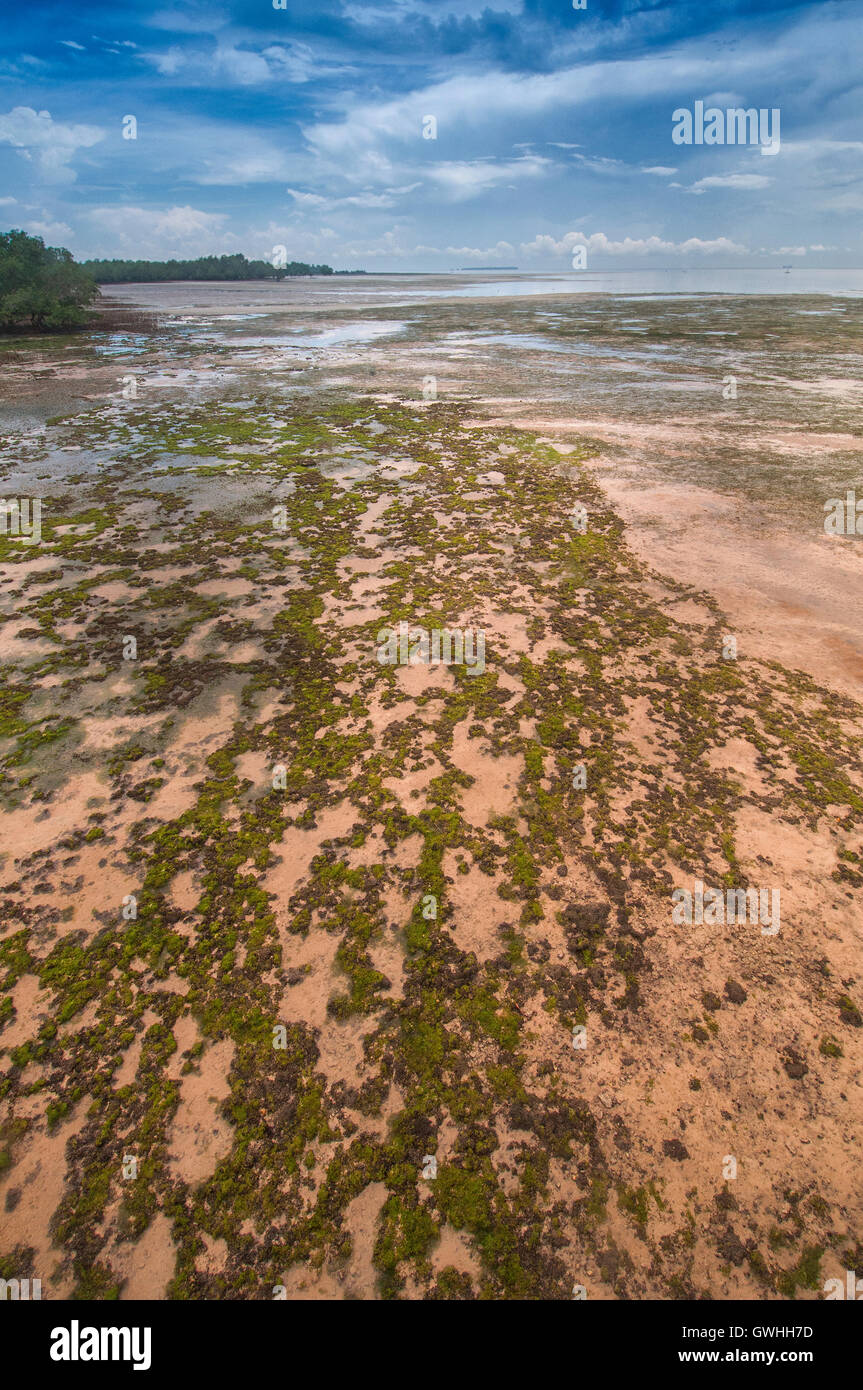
point(329, 979)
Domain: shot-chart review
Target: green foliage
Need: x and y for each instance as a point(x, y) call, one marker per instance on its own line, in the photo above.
point(234, 267)
point(41, 285)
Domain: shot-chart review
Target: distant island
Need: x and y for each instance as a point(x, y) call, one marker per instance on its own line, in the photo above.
point(236, 267)
point(464, 268)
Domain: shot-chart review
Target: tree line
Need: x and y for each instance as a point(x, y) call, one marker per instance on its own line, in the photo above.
point(235, 267)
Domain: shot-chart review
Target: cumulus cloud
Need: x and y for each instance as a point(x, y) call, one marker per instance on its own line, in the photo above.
point(501, 251)
point(599, 244)
point(50, 144)
point(240, 66)
point(52, 233)
point(176, 231)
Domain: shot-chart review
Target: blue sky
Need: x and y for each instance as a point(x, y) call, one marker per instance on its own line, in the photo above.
point(303, 127)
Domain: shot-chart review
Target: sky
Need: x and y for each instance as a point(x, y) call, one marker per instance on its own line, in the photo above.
point(423, 135)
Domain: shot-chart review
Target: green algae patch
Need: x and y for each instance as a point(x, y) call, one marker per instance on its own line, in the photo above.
point(315, 868)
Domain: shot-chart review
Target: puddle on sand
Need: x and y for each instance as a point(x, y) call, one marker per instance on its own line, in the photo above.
point(535, 342)
point(124, 345)
point(349, 333)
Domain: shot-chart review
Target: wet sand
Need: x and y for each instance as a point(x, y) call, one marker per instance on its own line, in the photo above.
point(395, 865)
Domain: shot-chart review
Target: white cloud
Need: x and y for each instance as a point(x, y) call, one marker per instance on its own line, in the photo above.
point(307, 200)
point(730, 181)
point(151, 232)
point(460, 104)
point(397, 11)
point(241, 67)
point(815, 148)
point(487, 254)
point(191, 19)
point(316, 202)
point(255, 163)
point(70, 43)
point(467, 178)
point(169, 63)
point(484, 100)
point(51, 143)
point(367, 200)
point(53, 233)
point(601, 164)
point(296, 62)
point(661, 169)
point(599, 244)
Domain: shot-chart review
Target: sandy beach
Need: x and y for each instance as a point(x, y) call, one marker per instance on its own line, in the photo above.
point(362, 979)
